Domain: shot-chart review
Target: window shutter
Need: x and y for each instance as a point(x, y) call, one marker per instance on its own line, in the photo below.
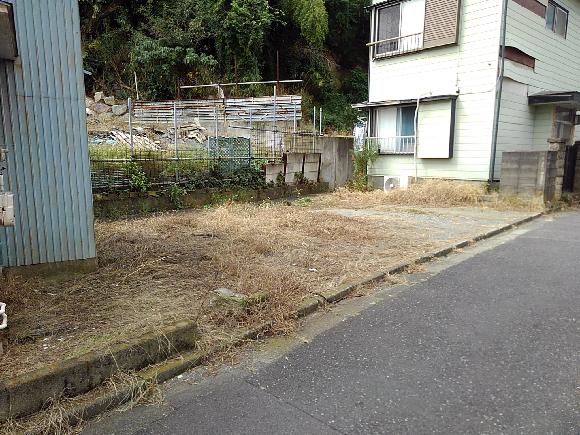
point(441, 22)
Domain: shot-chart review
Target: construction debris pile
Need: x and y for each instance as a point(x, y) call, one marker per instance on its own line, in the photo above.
point(150, 138)
point(109, 125)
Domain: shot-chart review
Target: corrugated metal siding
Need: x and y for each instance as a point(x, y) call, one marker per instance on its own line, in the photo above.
point(43, 125)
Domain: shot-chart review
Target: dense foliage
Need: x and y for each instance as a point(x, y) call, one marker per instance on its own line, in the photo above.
point(169, 43)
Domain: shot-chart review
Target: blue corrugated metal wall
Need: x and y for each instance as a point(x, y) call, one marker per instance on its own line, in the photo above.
point(43, 125)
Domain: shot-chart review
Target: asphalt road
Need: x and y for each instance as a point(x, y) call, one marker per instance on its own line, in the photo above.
point(490, 344)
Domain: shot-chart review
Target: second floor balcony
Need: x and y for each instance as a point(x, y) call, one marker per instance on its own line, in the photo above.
point(396, 46)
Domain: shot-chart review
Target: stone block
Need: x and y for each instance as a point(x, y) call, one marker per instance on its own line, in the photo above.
point(120, 109)
point(311, 170)
point(30, 393)
point(109, 101)
point(294, 166)
point(101, 108)
point(99, 97)
point(312, 158)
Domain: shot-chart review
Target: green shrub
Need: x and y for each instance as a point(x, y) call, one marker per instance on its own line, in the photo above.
point(138, 181)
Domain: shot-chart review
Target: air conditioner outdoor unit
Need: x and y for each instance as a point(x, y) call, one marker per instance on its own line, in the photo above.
point(391, 183)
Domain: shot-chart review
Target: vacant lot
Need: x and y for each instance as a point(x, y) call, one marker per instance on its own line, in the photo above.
point(156, 270)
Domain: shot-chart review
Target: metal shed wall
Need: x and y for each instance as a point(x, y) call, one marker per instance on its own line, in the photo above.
point(43, 126)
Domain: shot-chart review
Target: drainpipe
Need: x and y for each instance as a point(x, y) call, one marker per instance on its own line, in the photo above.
point(416, 136)
point(498, 93)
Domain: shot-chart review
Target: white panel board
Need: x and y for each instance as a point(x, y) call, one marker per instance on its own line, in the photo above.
point(434, 133)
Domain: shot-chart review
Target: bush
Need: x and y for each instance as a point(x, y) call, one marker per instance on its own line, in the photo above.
point(137, 179)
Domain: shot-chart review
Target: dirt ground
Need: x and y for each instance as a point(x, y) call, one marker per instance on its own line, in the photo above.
point(156, 270)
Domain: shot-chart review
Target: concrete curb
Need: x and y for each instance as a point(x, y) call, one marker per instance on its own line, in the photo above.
point(26, 394)
point(343, 291)
point(97, 402)
point(90, 407)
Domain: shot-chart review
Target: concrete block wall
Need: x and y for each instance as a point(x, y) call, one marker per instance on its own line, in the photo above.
point(523, 173)
point(336, 167)
point(332, 165)
point(272, 172)
point(312, 166)
point(533, 173)
point(294, 166)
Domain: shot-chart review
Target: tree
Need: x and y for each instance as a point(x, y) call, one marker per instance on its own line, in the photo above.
point(168, 43)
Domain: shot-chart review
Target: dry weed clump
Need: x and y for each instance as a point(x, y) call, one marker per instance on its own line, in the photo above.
point(429, 193)
point(439, 193)
point(432, 193)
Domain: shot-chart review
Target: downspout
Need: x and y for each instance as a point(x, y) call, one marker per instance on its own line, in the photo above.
point(498, 94)
point(416, 138)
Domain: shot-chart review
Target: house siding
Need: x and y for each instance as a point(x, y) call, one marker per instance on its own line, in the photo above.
point(523, 127)
point(43, 126)
point(469, 69)
point(557, 59)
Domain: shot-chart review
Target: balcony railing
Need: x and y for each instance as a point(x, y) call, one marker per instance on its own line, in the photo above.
point(392, 145)
point(395, 46)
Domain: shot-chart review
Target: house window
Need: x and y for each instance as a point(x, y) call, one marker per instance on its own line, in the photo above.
point(557, 19)
point(399, 28)
point(395, 130)
point(406, 121)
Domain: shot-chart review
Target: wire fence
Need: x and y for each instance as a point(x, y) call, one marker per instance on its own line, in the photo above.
point(188, 150)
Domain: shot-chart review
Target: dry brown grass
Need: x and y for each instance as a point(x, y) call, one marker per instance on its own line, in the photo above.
point(432, 193)
point(60, 416)
point(157, 270)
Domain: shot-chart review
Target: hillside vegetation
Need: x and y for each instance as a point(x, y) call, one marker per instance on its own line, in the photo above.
point(170, 43)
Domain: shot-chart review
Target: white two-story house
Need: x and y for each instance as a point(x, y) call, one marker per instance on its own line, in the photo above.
point(455, 83)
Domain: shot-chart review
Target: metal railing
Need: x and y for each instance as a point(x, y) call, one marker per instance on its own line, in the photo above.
point(393, 145)
point(395, 46)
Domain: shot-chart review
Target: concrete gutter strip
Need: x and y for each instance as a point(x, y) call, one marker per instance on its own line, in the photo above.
point(88, 407)
point(29, 393)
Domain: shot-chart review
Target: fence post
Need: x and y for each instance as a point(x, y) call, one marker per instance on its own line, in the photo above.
point(294, 129)
point(314, 130)
point(175, 135)
point(275, 122)
point(320, 121)
point(216, 130)
point(131, 141)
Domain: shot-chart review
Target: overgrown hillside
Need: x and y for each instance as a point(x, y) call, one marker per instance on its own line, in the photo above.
point(170, 43)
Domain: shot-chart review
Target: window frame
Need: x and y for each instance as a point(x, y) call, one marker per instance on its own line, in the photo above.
point(377, 30)
point(553, 27)
point(401, 44)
